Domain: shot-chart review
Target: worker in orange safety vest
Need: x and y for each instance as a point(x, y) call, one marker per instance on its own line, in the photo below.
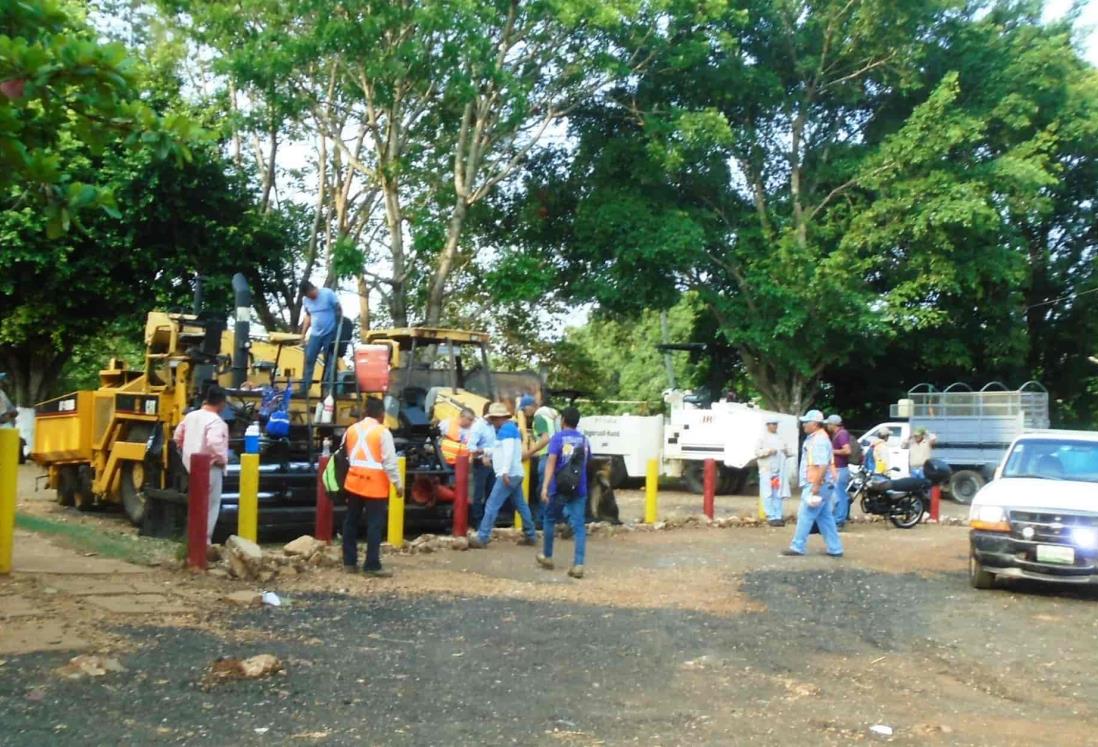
point(373, 468)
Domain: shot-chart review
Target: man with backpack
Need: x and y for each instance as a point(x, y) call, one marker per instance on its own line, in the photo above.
point(842, 446)
point(564, 489)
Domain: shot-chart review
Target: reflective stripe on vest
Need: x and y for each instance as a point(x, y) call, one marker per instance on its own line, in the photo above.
point(361, 456)
point(452, 446)
point(366, 477)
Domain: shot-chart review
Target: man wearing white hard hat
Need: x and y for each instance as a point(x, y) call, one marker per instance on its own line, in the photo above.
point(771, 454)
point(816, 463)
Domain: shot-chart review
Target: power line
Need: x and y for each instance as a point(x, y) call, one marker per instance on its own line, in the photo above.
point(1061, 298)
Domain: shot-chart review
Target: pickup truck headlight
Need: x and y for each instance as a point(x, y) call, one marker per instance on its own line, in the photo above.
point(989, 518)
point(1085, 538)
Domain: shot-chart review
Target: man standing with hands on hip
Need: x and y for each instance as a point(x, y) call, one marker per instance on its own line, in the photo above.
point(203, 431)
point(816, 456)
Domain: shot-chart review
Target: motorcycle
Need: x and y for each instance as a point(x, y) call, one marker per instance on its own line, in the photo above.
point(902, 500)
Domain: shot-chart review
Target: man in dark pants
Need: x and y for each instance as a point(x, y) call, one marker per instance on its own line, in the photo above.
point(373, 468)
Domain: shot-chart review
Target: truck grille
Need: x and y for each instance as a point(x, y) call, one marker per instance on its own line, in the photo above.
point(1049, 527)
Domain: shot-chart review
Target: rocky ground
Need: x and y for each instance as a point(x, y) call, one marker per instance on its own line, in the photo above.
point(693, 635)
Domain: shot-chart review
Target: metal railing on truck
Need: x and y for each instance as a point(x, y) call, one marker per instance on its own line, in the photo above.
point(993, 400)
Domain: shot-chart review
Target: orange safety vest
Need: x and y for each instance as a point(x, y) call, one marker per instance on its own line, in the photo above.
point(366, 477)
point(452, 446)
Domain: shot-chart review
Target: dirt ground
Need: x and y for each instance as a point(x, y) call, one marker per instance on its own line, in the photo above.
point(690, 636)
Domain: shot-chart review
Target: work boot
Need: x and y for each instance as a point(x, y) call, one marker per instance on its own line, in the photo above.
point(350, 569)
point(576, 571)
point(475, 543)
point(775, 522)
point(790, 553)
point(378, 573)
point(544, 562)
point(527, 541)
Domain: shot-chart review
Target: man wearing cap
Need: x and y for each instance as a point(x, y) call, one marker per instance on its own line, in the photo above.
point(507, 460)
point(840, 446)
point(546, 424)
point(880, 451)
point(816, 464)
point(771, 454)
point(920, 448)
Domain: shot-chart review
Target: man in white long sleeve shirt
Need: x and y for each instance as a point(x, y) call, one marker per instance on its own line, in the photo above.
point(771, 453)
point(507, 460)
point(203, 431)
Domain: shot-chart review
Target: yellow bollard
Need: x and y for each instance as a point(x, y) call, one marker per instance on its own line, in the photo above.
point(651, 488)
point(9, 479)
point(247, 516)
point(526, 465)
point(396, 506)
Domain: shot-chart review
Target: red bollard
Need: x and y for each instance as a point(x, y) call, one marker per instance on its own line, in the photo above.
point(935, 502)
point(323, 530)
point(710, 488)
point(461, 496)
point(198, 510)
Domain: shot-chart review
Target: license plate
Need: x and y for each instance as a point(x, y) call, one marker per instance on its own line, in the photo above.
point(1055, 554)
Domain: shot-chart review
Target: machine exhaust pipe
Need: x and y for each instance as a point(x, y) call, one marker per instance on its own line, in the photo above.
point(242, 331)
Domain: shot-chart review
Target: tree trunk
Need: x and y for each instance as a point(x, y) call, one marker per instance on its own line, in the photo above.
point(363, 306)
point(34, 372)
point(445, 265)
point(394, 218)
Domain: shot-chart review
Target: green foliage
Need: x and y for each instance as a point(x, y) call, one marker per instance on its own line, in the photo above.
point(58, 86)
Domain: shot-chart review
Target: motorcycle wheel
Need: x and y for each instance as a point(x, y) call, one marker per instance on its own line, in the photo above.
point(907, 512)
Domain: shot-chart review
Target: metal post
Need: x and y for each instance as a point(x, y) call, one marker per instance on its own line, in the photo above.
point(651, 491)
point(9, 480)
point(198, 510)
point(247, 524)
point(709, 487)
point(526, 467)
point(323, 530)
point(461, 496)
point(396, 507)
point(935, 502)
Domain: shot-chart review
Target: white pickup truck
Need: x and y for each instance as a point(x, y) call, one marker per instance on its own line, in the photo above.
point(1038, 517)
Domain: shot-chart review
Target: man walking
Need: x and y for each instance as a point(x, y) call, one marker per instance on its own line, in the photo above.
point(373, 468)
point(203, 431)
point(771, 454)
point(482, 437)
point(322, 315)
point(840, 447)
point(816, 459)
point(507, 461)
point(920, 449)
point(564, 489)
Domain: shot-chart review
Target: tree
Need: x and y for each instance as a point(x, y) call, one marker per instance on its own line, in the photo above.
point(58, 84)
point(818, 174)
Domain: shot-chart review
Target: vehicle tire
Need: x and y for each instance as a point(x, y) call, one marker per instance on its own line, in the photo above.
point(85, 498)
point(978, 578)
point(911, 510)
point(731, 481)
point(693, 477)
point(67, 482)
point(618, 473)
point(132, 488)
point(964, 485)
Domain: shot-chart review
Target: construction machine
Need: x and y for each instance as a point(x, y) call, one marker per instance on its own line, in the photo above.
point(113, 445)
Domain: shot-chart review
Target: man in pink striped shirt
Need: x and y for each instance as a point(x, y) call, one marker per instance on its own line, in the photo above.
point(203, 431)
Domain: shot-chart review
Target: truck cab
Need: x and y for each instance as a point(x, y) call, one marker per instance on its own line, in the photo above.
point(1038, 517)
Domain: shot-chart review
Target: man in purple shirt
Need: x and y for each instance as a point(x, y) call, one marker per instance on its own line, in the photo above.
point(840, 446)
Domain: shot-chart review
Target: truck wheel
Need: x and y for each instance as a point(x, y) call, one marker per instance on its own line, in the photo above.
point(731, 481)
point(977, 576)
point(964, 485)
point(618, 473)
point(133, 497)
point(693, 477)
point(66, 485)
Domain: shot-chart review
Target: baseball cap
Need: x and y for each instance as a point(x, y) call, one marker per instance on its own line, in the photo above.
point(498, 410)
point(834, 420)
point(772, 419)
point(527, 400)
point(884, 432)
point(813, 416)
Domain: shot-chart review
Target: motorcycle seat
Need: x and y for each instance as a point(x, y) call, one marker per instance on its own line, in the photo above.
point(909, 485)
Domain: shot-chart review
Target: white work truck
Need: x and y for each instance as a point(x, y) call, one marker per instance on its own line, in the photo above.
point(630, 441)
point(972, 429)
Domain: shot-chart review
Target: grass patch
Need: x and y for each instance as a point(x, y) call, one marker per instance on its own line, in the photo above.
point(83, 538)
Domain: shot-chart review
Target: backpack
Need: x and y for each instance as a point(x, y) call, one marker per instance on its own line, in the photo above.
point(570, 476)
point(857, 454)
point(335, 474)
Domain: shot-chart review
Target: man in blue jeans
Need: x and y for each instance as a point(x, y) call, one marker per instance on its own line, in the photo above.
point(566, 447)
point(322, 315)
point(816, 456)
point(507, 460)
point(840, 447)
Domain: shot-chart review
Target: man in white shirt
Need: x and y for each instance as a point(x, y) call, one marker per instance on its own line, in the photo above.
point(771, 453)
point(203, 431)
point(482, 439)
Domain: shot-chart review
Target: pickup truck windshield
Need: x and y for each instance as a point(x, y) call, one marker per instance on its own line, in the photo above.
point(1053, 460)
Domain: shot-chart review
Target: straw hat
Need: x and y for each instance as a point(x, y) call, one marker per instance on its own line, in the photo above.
point(498, 410)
